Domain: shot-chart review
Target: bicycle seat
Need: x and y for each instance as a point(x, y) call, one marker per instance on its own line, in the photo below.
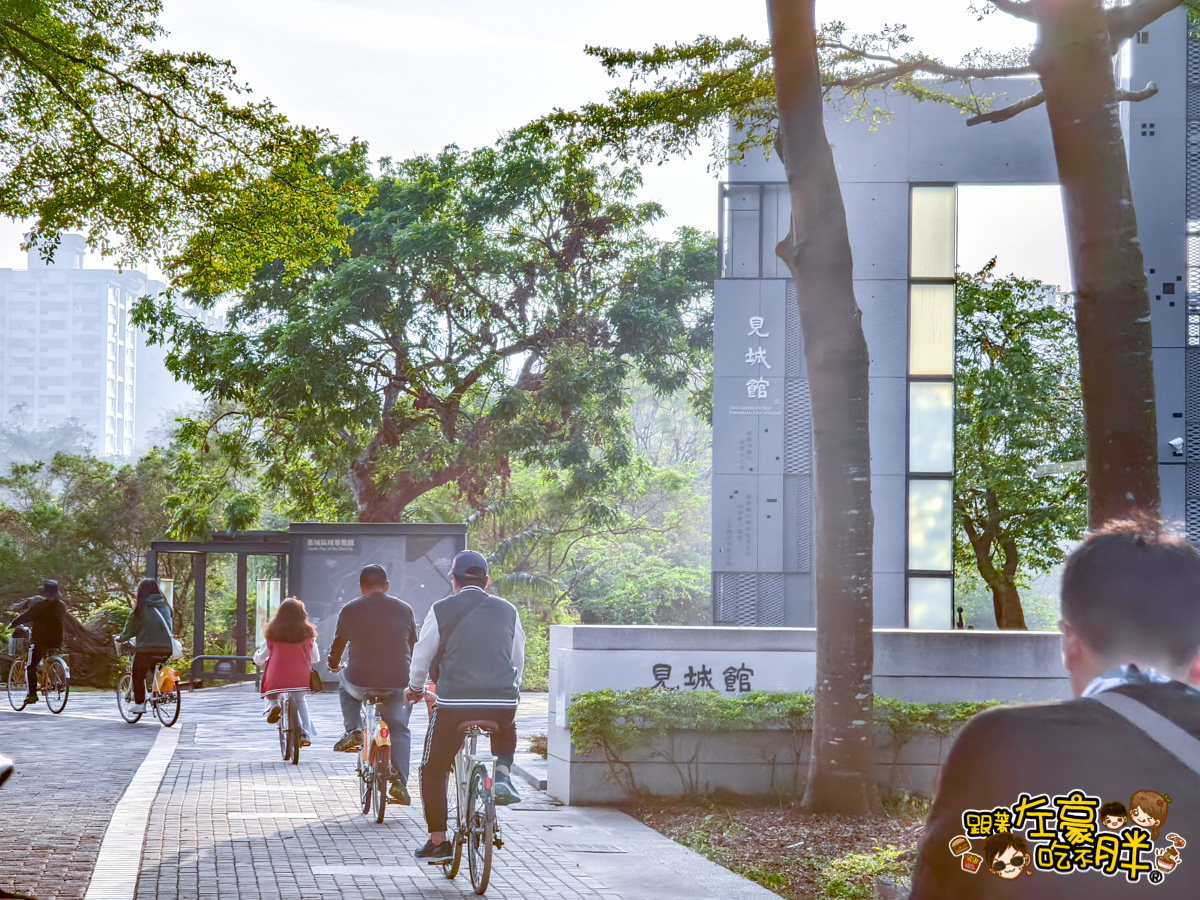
point(482, 724)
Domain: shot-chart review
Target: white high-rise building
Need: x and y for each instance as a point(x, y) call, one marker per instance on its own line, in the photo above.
point(69, 350)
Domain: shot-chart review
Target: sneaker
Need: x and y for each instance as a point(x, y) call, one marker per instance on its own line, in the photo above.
point(31, 698)
point(304, 741)
point(136, 707)
point(349, 742)
point(503, 790)
point(436, 854)
point(398, 791)
point(273, 715)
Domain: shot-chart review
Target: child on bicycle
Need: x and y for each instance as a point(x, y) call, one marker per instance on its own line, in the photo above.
point(288, 653)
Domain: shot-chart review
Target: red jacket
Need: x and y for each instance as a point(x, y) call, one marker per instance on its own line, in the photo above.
point(288, 666)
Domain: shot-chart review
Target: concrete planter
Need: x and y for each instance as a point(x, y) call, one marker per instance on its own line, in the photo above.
point(752, 763)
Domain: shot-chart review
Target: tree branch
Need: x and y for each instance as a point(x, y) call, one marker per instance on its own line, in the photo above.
point(1136, 96)
point(1001, 115)
point(1022, 10)
point(1126, 21)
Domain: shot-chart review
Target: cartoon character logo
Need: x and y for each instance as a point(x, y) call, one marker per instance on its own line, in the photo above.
point(1114, 815)
point(1006, 855)
point(1149, 809)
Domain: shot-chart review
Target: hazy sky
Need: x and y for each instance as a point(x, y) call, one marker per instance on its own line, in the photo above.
point(410, 77)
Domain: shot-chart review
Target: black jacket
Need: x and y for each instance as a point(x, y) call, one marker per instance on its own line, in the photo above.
point(381, 631)
point(1056, 749)
point(46, 617)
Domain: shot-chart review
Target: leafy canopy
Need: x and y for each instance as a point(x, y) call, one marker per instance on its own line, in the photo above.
point(491, 306)
point(1018, 408)
point(140, 148)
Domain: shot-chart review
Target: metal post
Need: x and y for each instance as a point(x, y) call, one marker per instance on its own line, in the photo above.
point(151, 564)
point(240, 635)
point(199, 569)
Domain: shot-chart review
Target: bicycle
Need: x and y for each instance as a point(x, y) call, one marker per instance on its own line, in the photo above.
point(53, 675)
point(162, 694)
point(290, 734)
point(374, 761)
point(472, 806)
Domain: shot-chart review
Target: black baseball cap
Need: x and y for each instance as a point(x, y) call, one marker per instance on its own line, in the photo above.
point(469, 564)
point(49, 588)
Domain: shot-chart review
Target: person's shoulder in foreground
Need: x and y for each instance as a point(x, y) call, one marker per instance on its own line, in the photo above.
point(1071, 800)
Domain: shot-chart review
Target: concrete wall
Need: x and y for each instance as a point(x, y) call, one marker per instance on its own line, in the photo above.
point(922, 666)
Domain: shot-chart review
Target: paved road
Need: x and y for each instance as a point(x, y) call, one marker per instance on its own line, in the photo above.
point(53, 813)
point(231, 819)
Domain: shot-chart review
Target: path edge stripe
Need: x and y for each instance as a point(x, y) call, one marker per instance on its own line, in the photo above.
point(120, 859)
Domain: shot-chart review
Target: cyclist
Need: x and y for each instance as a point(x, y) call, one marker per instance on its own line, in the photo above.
point(478, 645)
point(288, 651)
point(380, 630)
point(149, 627)
point(46, 616)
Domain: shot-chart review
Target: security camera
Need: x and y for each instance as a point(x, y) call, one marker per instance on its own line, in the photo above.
point(1176, 446)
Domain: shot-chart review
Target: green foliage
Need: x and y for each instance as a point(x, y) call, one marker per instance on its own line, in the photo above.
point(140, 147)
point(618, 721)
point(852, 877)
point(85, 522)
point(489, 312)
point(1018, 407)
point(683, 96)
point(22, 443)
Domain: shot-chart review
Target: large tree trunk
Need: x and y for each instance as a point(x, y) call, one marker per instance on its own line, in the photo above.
point(817, 252)
point(1073, 56)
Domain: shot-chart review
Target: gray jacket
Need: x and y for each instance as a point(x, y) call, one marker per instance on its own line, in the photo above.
point(482, 663)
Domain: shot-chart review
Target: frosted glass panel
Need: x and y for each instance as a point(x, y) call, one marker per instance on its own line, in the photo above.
point(929, 508)
point(932, 232)
point(931, 330)
point(931, 426)
point(929, 603)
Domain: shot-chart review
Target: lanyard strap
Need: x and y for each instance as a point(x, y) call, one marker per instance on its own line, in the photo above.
point(1183, 746)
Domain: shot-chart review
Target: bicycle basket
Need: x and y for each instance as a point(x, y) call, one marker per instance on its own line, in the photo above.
point(17, 646)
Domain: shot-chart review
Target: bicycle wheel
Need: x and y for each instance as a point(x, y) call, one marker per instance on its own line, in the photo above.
point(285, 744)
point(454, 823)
point(166, 705)
point(481, 828)
point(18, 690)
point(293, 727)
point(380, 768)
point(366, 786)
point(125, 698)
point(58, 685)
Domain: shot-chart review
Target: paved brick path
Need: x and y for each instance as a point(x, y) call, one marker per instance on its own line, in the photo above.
point(233, 820)
point(70, 773)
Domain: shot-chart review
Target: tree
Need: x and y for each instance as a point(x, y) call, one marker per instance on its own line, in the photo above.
point(817, 253)
point(490, 309)
point(84, 522)
point(774, 97)
point(142, 148)
point(20, 443)
point(1017, 409)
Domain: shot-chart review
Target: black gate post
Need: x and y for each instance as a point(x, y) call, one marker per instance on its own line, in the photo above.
point(199, 567)
point(241, 604)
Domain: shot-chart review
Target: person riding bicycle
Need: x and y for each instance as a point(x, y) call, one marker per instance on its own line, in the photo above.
point(46, 616)
point(288, 650)
point(149, 626)
point(381, 631)
point(478, 644)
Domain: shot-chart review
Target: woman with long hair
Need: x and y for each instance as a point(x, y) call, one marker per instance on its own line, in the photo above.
point(288, 652)
point(149, 626)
